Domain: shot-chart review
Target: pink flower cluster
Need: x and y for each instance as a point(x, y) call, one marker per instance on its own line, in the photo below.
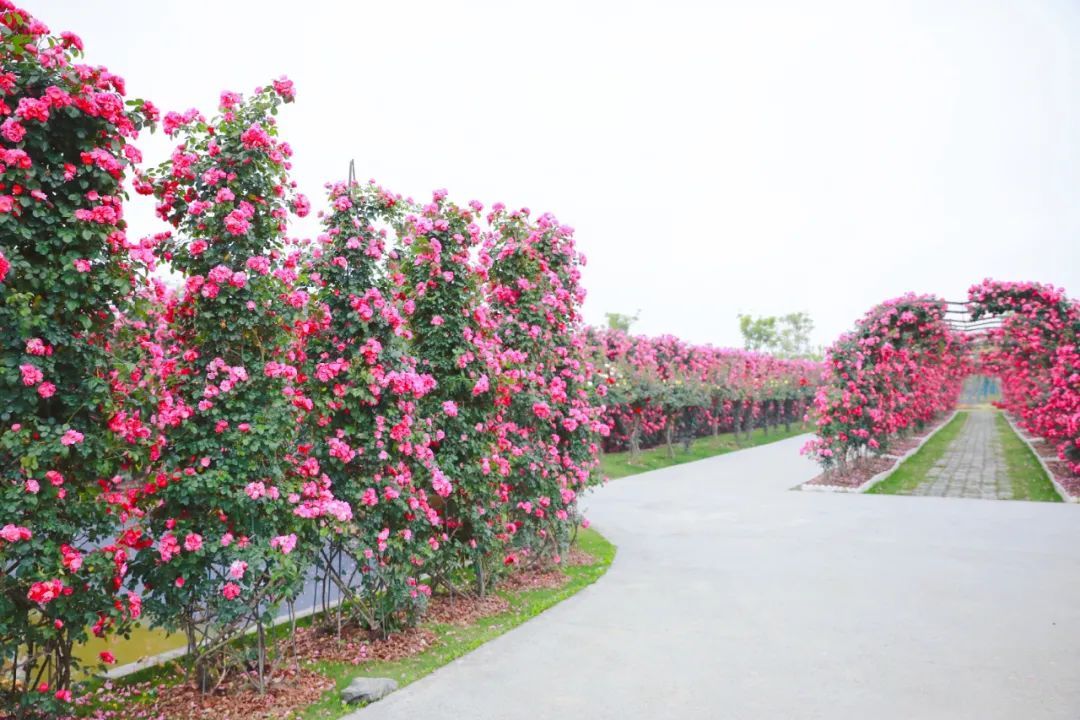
point(1036, 354)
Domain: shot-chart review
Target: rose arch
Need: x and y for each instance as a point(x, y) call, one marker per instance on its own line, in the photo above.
point(905, 362)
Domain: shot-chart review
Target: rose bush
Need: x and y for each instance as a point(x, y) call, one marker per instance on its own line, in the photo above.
point(366, 429)
point(548, 409)
point(453, 336)
point(235, 506)
point(67, 268)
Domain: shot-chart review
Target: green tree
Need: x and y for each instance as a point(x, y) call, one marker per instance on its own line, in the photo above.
point(621, 321)
point(759, 333)
point(786, 336)
point(793, 338)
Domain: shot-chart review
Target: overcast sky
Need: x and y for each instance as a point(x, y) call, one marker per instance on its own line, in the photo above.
point(714, 157)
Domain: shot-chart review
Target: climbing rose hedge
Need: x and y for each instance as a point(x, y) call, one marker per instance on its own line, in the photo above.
point(218, 413)
point(663, 389)
point(900, 368)
point(66, 269)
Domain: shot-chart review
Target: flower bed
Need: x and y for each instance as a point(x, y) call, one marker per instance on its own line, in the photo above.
point(326, 661)
point(1065, 481)
point(865, 473)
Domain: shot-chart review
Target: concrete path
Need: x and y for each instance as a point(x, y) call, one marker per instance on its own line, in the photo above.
point(733, 597)
point(973, 466)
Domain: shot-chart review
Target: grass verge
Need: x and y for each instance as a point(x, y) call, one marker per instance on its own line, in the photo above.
point(618, 465)
point(912, 472)
point(1029, 480)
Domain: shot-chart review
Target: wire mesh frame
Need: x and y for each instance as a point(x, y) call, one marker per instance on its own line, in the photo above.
point(958, 317)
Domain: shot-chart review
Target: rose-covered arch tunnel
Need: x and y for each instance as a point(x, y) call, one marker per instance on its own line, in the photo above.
point(906, 361)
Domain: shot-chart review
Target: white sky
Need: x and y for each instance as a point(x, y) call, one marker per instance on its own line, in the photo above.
point(714, 157)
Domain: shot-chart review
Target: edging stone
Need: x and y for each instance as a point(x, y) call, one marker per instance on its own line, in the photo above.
point(368, 689)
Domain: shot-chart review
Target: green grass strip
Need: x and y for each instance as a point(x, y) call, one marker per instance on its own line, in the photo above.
point(912, 472)
point(1029, 480)
point(618, 465)
point(455, 641)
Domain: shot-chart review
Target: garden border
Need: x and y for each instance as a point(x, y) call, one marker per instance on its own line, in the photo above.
point(884, 473)
point(176, 653)
point(1065, 495)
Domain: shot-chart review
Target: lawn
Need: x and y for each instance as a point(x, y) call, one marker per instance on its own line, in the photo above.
point(617, 465)
point(912, 472)
point(1029, 480)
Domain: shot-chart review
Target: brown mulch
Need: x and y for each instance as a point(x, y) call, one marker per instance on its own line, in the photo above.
point(464, 609)
point(856, 474)
point(290, 692)
point(543, 578)
point(899, 447)
point(357, 645)
point(1047, 451)
point(578, 557)
point(1070, 482)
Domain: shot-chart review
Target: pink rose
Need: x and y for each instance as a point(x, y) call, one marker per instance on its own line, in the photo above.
point(71, 437)
point(285, 543)
point(31, 375)
point(13, 533)
point(237, 569)
point(12, 130)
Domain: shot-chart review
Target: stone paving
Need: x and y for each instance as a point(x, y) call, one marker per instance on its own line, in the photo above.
point(973, 466)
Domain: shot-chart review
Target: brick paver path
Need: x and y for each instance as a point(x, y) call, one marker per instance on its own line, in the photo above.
point(974, 464)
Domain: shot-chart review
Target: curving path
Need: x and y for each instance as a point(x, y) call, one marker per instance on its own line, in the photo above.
point(732, 597)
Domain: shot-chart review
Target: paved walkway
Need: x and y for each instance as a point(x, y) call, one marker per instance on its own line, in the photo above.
point(973, 466)
point(733, 597)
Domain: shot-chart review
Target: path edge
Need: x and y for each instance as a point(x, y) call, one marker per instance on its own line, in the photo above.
point(884, 473)
point(1042, 461)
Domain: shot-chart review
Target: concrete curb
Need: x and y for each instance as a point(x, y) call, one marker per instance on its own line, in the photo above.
point(1042, 461)
point(871, 482)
